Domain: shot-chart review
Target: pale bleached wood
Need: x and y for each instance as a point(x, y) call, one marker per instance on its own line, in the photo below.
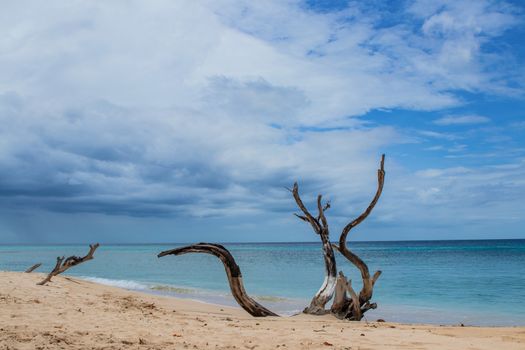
point(320, 226)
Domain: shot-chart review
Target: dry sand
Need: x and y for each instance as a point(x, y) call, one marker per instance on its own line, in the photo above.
point(75, 314)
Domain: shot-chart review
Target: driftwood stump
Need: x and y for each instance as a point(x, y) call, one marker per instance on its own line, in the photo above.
point(64, 264)
point(347, 304)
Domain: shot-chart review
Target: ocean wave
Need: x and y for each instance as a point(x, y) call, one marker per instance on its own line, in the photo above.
point(270, 298)
point(126, 284)
point(284, 306)
point(178, 290)
point(144, 286)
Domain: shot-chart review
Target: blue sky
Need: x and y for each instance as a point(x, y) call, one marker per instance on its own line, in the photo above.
point(184, 121)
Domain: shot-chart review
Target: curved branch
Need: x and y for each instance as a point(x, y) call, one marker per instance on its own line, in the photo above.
point(366, 292)
point(232, 271)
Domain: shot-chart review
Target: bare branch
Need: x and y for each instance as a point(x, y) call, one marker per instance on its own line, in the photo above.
point(321, 213)
point(232, 271)
point(301, 217)
point(62, 265)
point(33, 268)
point(363, 216)
point(313, 221)
point(375, 277)
point(366, 292)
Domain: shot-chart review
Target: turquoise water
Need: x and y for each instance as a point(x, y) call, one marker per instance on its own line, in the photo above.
point(441, 282)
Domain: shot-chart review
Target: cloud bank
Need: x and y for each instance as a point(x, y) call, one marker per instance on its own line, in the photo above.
point(207, 109)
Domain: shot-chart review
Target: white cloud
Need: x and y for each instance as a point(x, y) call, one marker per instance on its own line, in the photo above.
point(461, 120)
point(208, 108)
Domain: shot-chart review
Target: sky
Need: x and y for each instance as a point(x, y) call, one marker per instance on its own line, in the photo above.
point(185, 121)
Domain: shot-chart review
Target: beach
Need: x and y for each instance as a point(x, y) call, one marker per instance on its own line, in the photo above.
point(71, 313)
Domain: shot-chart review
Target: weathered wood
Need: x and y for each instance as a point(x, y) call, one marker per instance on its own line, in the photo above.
point(63, 264)
point(341, 301)
point(33, 268)
point(233, 272)
point(368, 282)
point(320, 226)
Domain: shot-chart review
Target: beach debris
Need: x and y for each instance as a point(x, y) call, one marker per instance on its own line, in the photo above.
point(328, 344)
point(380, 320)
point(233, 273)
point(63, 264)
point(347, 303)
point(33, 268)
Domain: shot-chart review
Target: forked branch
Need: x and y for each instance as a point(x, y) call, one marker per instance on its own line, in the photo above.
point(320, 226)
point(63, 264)
point(232, 271)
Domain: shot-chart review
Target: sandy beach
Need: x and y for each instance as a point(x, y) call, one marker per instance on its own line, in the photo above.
point(70, 313)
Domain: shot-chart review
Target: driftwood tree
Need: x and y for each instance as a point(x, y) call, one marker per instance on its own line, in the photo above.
point(63, 264)
point(347, 303)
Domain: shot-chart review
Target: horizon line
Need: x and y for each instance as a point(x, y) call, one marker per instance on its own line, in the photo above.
point(267, 242)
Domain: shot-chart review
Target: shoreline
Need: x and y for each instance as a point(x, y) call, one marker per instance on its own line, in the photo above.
point(386, 311)
point(78, 314)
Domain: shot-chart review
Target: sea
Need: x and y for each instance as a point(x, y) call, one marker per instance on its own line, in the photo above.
point(475, 282)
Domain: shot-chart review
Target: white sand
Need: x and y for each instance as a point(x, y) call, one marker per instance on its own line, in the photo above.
point(75, 314)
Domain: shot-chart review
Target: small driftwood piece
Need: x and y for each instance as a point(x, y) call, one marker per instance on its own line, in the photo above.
point(33, 268)
point(63, 264)
point(232, 271)
point(347, 304)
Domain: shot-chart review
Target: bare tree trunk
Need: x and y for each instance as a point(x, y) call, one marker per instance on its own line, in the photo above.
point(320, 226)
point(325, 293)
point(233, 272)
point(62, 265)
point(33, 268)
